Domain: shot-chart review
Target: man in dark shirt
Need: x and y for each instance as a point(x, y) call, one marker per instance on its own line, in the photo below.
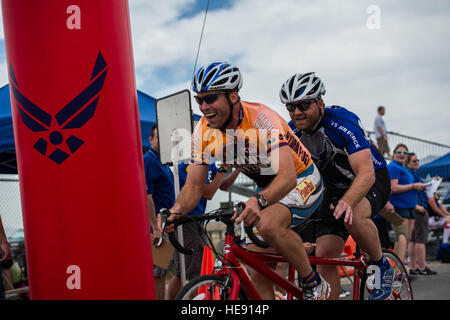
point(160, 194)
point(357, 184)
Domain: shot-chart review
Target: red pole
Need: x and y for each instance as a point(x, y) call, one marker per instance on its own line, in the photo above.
point(79, 154)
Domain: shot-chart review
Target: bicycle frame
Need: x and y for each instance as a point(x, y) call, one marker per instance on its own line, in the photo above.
point(233, 252)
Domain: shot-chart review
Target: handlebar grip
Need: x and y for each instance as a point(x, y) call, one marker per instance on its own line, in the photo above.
point(255, 239)
point(165, 213)
point(249, 230)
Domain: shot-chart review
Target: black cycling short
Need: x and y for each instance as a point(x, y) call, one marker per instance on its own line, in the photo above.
point(378, 196)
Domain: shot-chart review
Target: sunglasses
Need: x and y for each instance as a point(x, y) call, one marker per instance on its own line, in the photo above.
point(415, 161)
point(302, 106)
point(400, 152)
point(209, 98)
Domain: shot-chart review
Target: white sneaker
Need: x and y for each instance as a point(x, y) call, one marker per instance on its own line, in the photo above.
point(313, 291)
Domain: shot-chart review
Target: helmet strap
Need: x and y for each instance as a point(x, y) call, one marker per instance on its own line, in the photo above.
point(230, 116)
point(314, 127)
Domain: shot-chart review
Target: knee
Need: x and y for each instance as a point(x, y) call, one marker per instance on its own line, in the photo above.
point(269, 231)
point(322, 251)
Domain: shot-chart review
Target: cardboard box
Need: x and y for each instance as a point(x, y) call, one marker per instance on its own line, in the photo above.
point(393, 218)
point(162, 254)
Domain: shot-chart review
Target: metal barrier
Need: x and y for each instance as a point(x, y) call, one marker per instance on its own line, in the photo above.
point(10, 206)
point(434, 157)
point(426, 151)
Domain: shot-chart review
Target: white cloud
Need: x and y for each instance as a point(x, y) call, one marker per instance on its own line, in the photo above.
point(403, 65)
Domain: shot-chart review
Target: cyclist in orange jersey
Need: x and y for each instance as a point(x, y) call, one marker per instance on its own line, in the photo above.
point(257, 141)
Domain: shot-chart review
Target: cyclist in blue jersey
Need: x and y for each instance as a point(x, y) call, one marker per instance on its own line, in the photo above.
point(357, 183)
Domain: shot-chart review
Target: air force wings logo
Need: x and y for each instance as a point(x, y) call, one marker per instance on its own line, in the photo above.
point(73, 115)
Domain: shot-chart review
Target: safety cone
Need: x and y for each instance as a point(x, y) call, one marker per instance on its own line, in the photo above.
point(207, 261)
point(349, 250)
point(207, 268)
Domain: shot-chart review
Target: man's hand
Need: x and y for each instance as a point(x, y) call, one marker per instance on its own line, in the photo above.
point(419, 186)
point(251, 213)
point(420, 209)
point(5, 250)
point(309, 247)
point(169, 227)
point(389, 207)
point(343, 207)
point(157, 232)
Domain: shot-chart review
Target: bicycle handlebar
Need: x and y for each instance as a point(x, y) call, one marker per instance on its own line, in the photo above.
point(219, 215)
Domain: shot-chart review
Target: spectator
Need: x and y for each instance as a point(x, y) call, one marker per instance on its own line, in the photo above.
point(439, 217)
point(381, 132)
point(160, 194)
point(191, 237)
point(419, 236)
point(403, 198)
point(5, 253)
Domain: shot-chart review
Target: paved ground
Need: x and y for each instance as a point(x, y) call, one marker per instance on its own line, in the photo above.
point(435, 287)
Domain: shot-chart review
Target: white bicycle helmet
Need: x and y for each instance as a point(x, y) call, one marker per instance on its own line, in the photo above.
point(301, 86)
point(217, 76)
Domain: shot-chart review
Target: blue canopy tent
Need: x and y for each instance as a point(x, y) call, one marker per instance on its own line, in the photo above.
point(8, 165)
point(439, 167)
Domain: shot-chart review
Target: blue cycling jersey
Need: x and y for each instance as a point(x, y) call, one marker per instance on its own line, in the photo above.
point(338, 135)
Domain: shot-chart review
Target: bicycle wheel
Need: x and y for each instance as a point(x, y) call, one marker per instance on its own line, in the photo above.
point(401, 286)
point(208, 287)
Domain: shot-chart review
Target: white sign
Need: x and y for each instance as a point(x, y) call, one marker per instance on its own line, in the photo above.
point(174, 119)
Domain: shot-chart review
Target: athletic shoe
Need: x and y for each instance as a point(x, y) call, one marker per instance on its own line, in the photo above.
point(427, 272)
point(314, 291)
point(385, 292)
point(414, 272)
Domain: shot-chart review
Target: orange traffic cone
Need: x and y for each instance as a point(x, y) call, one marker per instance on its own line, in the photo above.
point(207, 268)
point(349, 250)
point(207, 261)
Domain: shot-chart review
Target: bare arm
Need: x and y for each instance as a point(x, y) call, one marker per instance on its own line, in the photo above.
point(381, 131)
point(436, 208)
point(152, 218)
point(192, 190)
point(219, 182)
point(400, 188)
point(210, 189)
point(284, 181)
point(229, 180)
point(362, 166)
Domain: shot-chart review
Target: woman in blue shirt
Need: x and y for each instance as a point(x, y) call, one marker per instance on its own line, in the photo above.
point(419, 237)
point(404, 197)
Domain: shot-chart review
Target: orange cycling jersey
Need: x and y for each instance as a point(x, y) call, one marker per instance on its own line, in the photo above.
point(251, 147)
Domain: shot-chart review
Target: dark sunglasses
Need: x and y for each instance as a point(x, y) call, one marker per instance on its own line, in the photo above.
point(209, 98)
point(415, 161)
point(302, 106)
point(400, 152)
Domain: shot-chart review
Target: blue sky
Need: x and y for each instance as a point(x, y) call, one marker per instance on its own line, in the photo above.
point(404, 64)
point(199, 6)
